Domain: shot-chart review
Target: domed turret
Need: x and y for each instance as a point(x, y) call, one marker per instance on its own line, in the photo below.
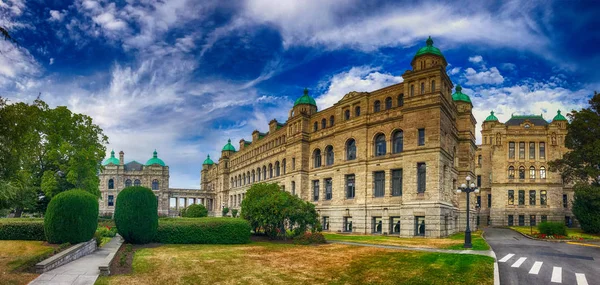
point(229, 146)
point(111, 160)
point(429, 49)
point(428, 56)
point(459, 96)
point(491, 117)
point(208, 161)
point(305, 99)
point(559, 117)
point(155, 160)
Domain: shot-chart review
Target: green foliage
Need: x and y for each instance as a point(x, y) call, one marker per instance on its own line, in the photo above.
point(552, 228)
point(72, 216)
point(203, 231)
point(136, 214)
point(273, 211)
point(310, 238)
point(234, 213)
point(22, 229)
point(194, 211)
point(586, 207)
point(225, 211)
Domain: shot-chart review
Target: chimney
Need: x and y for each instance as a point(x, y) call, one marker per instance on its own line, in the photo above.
point(121, 158)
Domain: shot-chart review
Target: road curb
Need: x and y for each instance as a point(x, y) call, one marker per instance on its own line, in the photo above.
point(496, 268)
point(532, 238)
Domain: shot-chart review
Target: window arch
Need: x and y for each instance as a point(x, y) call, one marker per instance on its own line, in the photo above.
point(329, 155)
point(317, 158)
point(398, 141)
point(351, 149)
point(258, 172)
point(253, 176)
point(244, 179)
point(542, 172)
point(511, 172)
point(521, 172)
point(401, 100)
point(357, 111)
point(137, 182)
point(277, 169)
point(270, 170)
point(432, 85)
point(379, 145)
point(323, 123)
point(248, 177)
point(347, 115)
point(232, 182)
point(283, 165)
point(264, 172)
point(154, 184)
point(331, 121)
point(532, 172)
point(315, 126)
point(111, 183)
point(422, 88)
point(388, 103)
point(128, 183)
point(377, 106)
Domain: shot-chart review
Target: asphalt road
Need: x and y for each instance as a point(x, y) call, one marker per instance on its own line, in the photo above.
point(525, 261)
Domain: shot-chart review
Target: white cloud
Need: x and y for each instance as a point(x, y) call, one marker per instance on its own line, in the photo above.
point(508, 66)
point(360, 79)
point(15, 7)
point(57, 16)
point(109, 22)
point(51, 61)
point(454, 71)
point(491, 76)
point(476, 59)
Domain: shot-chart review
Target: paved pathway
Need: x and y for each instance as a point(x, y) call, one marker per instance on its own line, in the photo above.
point(477, 252)
point(81, 271)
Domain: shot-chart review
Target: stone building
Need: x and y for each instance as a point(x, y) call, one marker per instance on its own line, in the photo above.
point(117, 174)
point(512, 171)
point(385, 161)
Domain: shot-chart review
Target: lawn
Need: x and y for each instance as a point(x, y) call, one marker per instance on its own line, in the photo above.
point(16, 255)
point(455, 241)
point(571, 232)
point(269, 263)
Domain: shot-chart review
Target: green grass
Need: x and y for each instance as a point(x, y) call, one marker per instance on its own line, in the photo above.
point(16, 255)
point(14, 220)
point(476, 240)
point(571, 232)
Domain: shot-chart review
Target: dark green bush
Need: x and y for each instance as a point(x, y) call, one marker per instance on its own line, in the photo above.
point(234, 213)
point(203, 231)
point(22, 229)
point(136, 214)
point(225, 211)
point(71, 216)
point(194, 211)
point(586, 207)
point(310, 238)
point(552, 228)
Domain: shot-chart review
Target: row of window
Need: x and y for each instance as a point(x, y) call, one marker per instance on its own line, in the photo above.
point(533, 220)
point(532, 172)
point(258, 175)
point(236, 200)
point(260, 149)
point(376, 108)
point(377, 225)
point(532, 198)
point(136, 182)
point(532, 152)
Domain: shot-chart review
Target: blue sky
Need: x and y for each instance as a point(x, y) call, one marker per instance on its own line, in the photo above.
point(183, 76)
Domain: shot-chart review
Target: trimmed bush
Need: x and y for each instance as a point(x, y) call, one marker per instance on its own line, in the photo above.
point(71, 216)
point(203, 231)
point(586, 207)
point(310, 238)
point(136, 214)
point(22, 229)
point(194, 211)
point(552, 228)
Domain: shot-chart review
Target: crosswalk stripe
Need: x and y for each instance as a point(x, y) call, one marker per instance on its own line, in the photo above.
point(506, 258)
point(556, 274)
point(581, 279)
point(519, 262)
point(535, 269)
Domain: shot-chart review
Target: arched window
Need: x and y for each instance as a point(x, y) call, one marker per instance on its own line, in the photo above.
point(232, 182)
point(258, 172)
point(315, 126)
point(331, 120)
point(532, 172)
point(111, 184)
point(283, 165)
point(479, 158)
point(253, 176)
point(356, 111)
point(329, 155)
point(264, 172)
point(351, 149)
point(521, 172)
point(248, 177)
point(401, 100)
point(377, 106)
point(137, 182)
point(347, 115)
point(128, 183)
point(270, 170)
point(422, 88)
point(317, 158)
point(323, 124)
point(398, 141)
point(277, 170)
point(379, 145)
point(388, 103)
point(432, 85)
point(412, 90)
point(511, 172)
point(542, 172)
point(154, 184)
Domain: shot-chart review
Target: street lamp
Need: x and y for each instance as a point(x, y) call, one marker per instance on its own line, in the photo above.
point(465, 188)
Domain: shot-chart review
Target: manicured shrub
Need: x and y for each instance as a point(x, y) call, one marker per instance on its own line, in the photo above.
point(225, 211)
point(234, 213)
point(203, 231)
point(586, 207)
point(310, 238)
point(22, 229)
point(136, 214)
point(194, 211)
point(552, 228)
point(71, 216)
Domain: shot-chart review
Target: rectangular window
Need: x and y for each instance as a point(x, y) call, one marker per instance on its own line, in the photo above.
point(315, 190)
point(397, 182)
point(478, 220)
point(565, 201)
point(511, 197)
point(478, 180)
point(377, 224)
point(379, 183)
point(478, 204)
point(544, 218)
point(532, 220)
point(543, 198)
point(542, 150)
point(328, 186)
point(521, 197)
point(521, 220)
point(325, 224)
point(420, 226)
point(293, 163)
point(111, 200)
point(348, 224)
point(531, 150)
point(522, 150)
point(350, 186)
point(511, 150)
point(421, 177)
point(532, 197)
point(510, 220)
point(395, 225)
point(293, 187)
point(489, 200)
point(421, 136)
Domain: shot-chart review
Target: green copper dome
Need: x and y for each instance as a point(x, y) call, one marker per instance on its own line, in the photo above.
point(305, 99)
point(229, 146)
point(559, 117)
point(459, 96)
point(429, 49)
point(155, 160)
point(208, 161)
point(491, 117)
point(111, 160)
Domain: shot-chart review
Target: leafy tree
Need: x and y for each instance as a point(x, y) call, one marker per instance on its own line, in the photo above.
point(586, 207)
point(273, 211)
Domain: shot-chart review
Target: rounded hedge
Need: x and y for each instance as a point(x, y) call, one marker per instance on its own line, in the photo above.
point(136, 214)
point(194, 211)
point(71, 216)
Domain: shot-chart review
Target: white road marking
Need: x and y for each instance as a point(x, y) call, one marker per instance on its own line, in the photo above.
point(581, 279)
point(519, 262)
point(535, 269)
point(506, 258)
point(556, 274)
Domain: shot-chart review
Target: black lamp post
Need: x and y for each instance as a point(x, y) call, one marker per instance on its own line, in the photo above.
point(468, 188)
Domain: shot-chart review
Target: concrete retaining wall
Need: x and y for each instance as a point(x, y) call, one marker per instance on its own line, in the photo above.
point(72, 253)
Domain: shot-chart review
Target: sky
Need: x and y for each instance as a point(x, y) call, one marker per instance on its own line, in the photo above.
point(182, 76)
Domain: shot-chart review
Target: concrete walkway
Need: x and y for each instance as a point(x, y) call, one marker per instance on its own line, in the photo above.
point(81, 271)
point(477, 252)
